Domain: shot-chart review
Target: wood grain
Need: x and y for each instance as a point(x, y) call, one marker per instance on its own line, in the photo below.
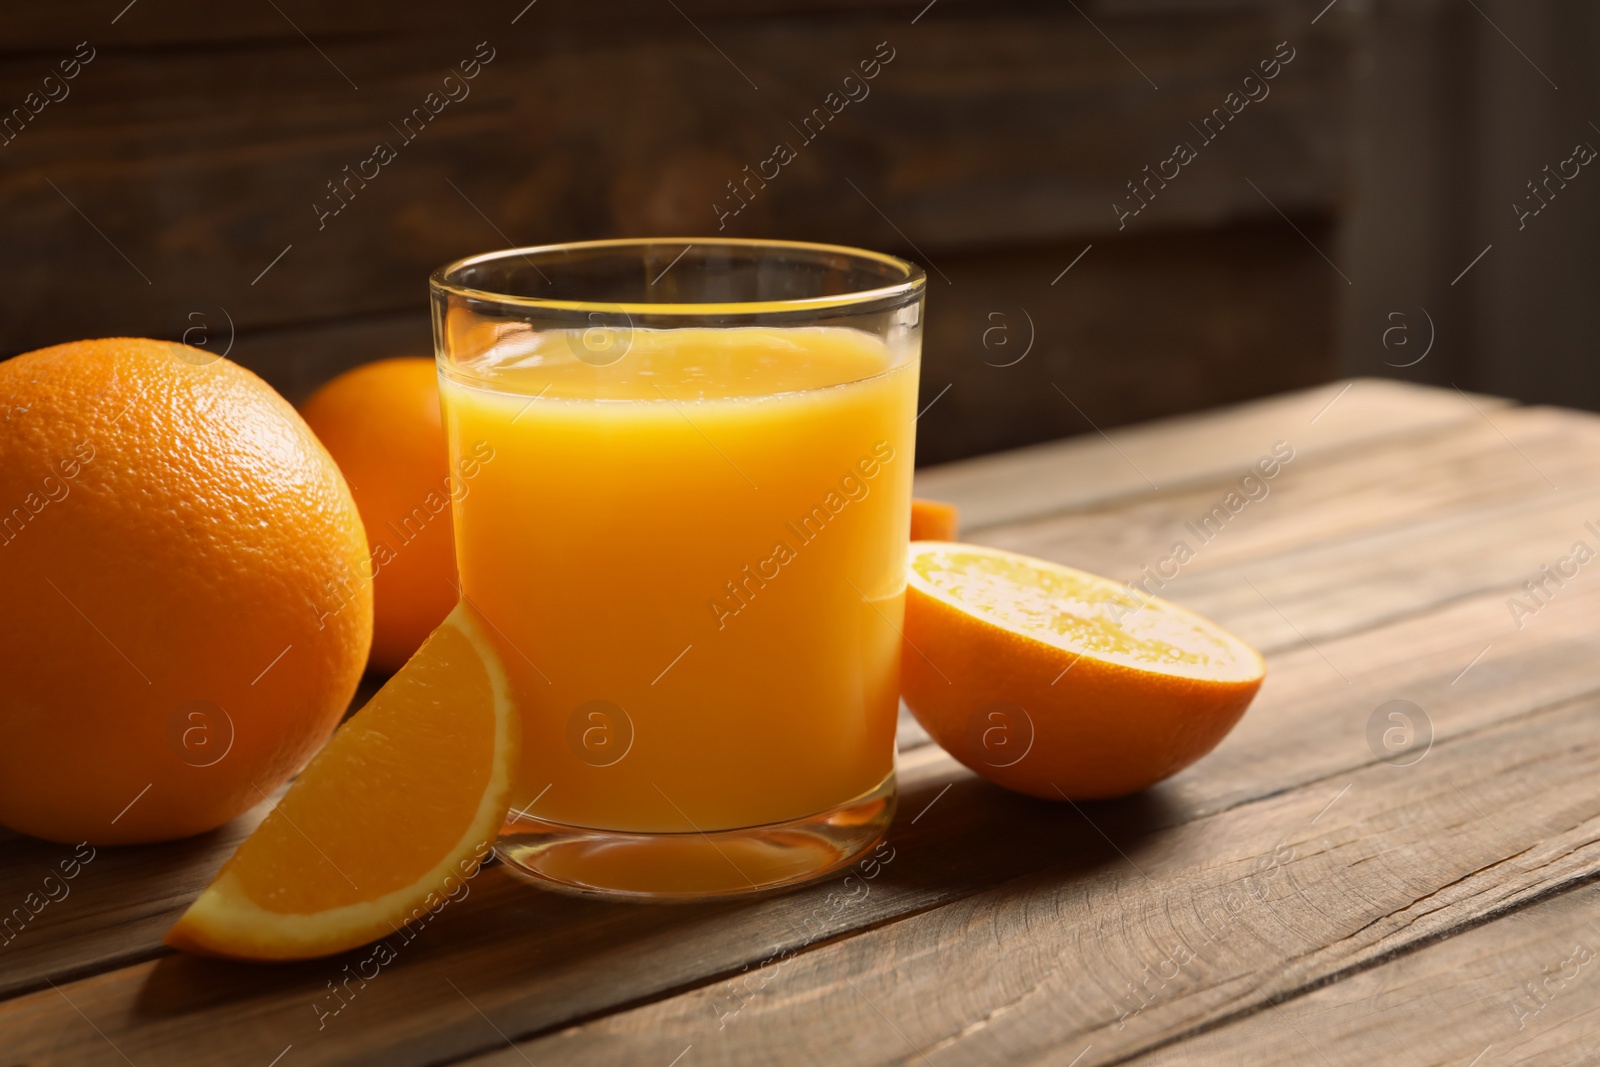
point(185, 22)
point(1520, 990)
point(1247, 322)
point(1357, 490)
point(1208, 447)
point(115, 911)
point(1343, 542)
point(197, 144)
point(534, 963)
point(1017, 352)
point(105, 933)
point(1211, 920)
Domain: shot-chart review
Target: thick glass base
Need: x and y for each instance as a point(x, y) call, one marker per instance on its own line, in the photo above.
point(690, 866)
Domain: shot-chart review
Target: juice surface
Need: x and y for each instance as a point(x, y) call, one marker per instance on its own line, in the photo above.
point(692, 549)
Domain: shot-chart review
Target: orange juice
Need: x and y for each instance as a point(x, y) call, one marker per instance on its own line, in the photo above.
point(694, 557)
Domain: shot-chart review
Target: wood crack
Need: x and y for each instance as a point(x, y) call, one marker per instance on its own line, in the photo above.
point(1252, 1005)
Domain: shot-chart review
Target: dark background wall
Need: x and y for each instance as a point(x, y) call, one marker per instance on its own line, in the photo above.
point(173, 189)
point(1457, 106)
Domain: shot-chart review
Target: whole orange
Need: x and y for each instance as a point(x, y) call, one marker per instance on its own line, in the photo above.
point(381, 422)
point(182, 579)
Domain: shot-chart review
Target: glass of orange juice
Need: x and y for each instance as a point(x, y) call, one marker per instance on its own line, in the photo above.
point(682, 512)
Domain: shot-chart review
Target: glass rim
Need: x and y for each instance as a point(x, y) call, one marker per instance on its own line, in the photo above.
point(914, 282)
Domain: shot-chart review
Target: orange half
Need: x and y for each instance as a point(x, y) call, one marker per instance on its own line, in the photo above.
point(1059, 683)
point(386, 824)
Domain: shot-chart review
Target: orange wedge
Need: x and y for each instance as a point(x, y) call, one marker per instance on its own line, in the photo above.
point(386, 824)
point(933, 520)
point(1062, 684)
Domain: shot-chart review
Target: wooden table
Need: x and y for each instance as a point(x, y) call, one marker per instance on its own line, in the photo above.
point(1312, 892)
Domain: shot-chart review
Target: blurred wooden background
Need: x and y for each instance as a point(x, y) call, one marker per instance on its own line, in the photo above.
point(172, 189)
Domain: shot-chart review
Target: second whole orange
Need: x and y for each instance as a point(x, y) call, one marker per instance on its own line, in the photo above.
point(382, 424)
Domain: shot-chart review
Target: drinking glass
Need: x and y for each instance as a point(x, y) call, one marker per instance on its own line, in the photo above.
point(681, 511)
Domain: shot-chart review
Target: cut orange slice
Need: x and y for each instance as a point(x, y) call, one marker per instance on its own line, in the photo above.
point(386, 824)
point(1061, 684)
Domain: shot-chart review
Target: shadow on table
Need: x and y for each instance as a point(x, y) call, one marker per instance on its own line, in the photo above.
point(537, 961)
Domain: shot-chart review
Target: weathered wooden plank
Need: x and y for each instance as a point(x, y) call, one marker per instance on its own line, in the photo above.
point(990, 126)
point(1180, 930)
point(1338, 545)
point(104, 936)
point(1091, 470)
point(179, 23)
point(1521, 990)
point(1339, 494)
point(1317, 738)
point(127, 906)
point(1230, 320)
point(182, 24)
point(123, 900)
point(114, 910)
point(1330, 589)
point(534, 961)
point(1010, 358)
point(1464, 666)
point(120, 913)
